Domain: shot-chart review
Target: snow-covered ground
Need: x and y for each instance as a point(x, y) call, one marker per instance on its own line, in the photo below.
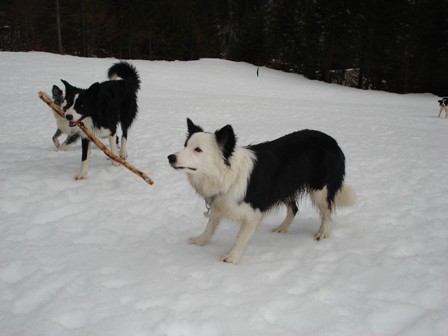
point(109, 255)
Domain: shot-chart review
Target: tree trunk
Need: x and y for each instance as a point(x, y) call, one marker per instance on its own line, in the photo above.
point(58, 27)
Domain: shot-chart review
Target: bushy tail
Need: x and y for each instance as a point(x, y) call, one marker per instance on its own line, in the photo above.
point(127, 72)
point(345, 197)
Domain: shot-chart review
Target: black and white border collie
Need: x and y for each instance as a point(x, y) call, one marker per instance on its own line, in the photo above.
point(443, 103)
point(102, 106)
point(243, 183)
point(73, 133)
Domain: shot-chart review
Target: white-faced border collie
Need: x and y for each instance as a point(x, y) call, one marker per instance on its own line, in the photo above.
point(443, 103)
point(102, 106)
point(243, 183)
point(73, 133)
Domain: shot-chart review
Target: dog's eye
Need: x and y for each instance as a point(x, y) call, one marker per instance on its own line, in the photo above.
point(198, 150)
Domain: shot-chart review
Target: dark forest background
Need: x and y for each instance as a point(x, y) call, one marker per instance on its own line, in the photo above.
point(392, 45)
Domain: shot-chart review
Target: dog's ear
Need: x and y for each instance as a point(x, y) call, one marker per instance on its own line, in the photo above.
point(66, 84)
point(69, 89)
point(192, 128)
point(57, 93)
point(93, 89)
point(226, 139)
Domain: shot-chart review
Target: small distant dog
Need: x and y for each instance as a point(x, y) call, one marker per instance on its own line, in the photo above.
point(244, 183)
point(102, 106)
point(443, 106)
point(73, 133)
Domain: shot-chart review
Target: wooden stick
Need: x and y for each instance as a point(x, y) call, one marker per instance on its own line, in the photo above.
point(98, 143)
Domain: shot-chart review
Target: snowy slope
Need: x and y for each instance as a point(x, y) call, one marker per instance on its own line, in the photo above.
point(109, 255)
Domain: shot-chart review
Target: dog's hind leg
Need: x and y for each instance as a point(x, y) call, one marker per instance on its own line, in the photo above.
point(124, 142)
point(123, 148)
point(291, 209)
point(210, 229)
point(113, 147)
point(320, 200)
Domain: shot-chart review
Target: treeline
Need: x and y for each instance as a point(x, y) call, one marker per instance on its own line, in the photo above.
point(393, 45)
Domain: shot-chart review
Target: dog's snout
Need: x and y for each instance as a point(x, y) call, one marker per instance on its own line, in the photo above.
point(172, 158)
point(68, 117)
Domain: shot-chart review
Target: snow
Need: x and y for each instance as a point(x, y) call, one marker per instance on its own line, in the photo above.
point(109, 255)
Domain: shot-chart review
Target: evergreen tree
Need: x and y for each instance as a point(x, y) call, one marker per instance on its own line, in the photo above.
point(399, 46)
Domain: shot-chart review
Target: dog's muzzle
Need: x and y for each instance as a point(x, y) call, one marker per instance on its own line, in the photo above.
point(70, 120)
point(172, 159)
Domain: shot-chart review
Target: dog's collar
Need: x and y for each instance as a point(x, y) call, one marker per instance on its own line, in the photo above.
point(207, 213)
point(209, 203)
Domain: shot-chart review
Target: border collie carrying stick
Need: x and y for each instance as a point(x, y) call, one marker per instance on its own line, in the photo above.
point(99, 144)
point(243, 184)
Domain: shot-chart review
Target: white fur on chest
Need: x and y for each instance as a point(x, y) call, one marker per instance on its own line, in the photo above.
point(225, 186)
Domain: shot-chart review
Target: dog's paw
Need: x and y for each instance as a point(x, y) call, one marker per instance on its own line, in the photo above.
point(321, 235)
point(280, 229)
point(115, 163)
point(123, 154)
point(62, 147)
point(199, 241)
point(231, 259)
point(80, 177)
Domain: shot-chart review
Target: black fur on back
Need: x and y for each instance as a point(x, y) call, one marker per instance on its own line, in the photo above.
point(296, 163)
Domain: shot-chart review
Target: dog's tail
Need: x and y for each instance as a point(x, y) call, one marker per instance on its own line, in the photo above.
point(127, 72)
point(345, 197)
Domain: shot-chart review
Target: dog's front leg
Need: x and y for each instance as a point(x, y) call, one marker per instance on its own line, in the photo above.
point(247, 230)
point(55, 138)
point(210, 229)
point(70, 139)
point(84, 159)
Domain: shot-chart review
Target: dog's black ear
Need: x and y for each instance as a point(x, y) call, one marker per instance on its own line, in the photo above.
point(192, 128)
point(66, 84)
point(57, 93)
point(69, 89)
point(226, 139)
